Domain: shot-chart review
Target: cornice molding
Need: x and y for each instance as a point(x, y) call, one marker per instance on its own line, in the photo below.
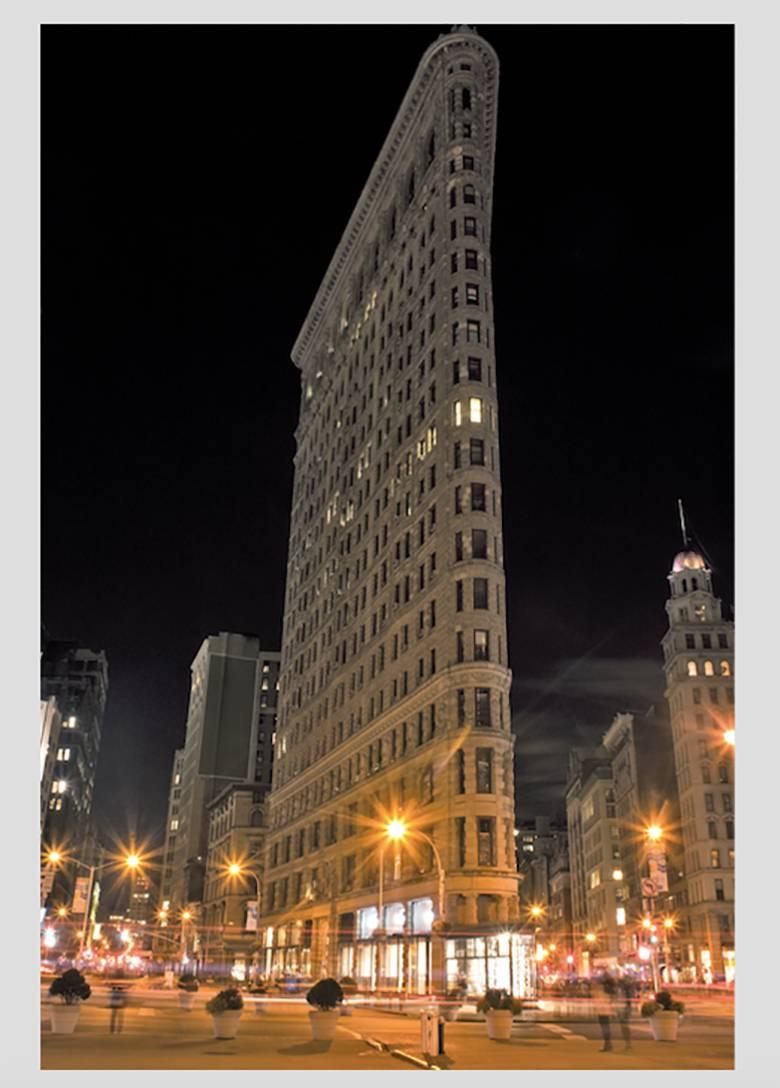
point(376, 187)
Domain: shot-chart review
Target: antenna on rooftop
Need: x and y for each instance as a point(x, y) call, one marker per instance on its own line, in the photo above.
point(682, 523)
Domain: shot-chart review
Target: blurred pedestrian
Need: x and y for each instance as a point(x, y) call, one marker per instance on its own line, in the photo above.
point(117, 1002)
point(606, 995)
point(627, 993)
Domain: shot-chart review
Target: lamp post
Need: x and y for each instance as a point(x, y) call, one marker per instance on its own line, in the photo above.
point(236, 869)
point(397, 831)
point(131, 861)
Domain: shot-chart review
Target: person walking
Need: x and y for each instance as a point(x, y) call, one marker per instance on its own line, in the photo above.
point(605, 998)
point(116, 1002)
point(627, 993)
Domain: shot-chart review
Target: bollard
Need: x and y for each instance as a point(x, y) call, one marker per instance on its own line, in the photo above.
point(431, 1032)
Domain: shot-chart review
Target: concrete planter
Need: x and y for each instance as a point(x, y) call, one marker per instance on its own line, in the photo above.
point(186, 999)
point(323, 1024)
point(499, 1023)
point(226, 1023)
point(63, 1018)
point(664, 1026)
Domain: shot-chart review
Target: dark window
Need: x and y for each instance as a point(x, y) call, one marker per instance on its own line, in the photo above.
point(723, 642)
point(461, 775)
point(479, 544)
point(458, 500)
point(453, 229)
point(730, 829)
point(709, 802)
point(466, 98)
point(472, 294)
point(461, 707)
point(461, 823)
point(690, 642)
point(459, 650)
point(469, 226)
point(453, 196)
point(456, 455)
point(468, 162)
point(471, 260)
point(713, 829)
point(454, 261)
point(459, 596)
point(478, 497)
point(485, 840)
point(706, 642)
point(458, 547)
point(482, 708)
point(474, 369)
point(454, 297)
point(719, 893)
point(480, 593)
point(469, 194)
point(484, 770)
point(723, 773)
point(476, 451)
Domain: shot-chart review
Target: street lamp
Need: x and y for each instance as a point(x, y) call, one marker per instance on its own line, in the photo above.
point(654, 833)
point(729, 737)
point(236, 869)
point(131, 861)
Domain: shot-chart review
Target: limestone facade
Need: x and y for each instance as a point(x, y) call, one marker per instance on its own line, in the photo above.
point(394, 683)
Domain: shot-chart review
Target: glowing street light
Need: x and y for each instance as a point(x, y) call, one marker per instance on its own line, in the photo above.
point(728, 736)
point(62, 912)
point(590, 938)
point(617, 874)
point(654, 833)
point(536, 911)
point(49, 938)
point(55, 857)
point(236, 869)
point(396, 830)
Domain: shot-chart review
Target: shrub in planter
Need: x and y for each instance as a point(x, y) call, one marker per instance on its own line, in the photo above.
point(188, 987)
point(499, 1007)
point(71, 988)
point(325, 995)
point(225, 1009)
point(664, 1013)
point(348, 985)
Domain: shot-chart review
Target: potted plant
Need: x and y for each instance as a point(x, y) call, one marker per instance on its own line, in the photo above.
point(71, 988)
point(225, 1009)
point(348, 985)
point(325, 995)
point(188, 987)
point(499, 1007)
point(664, 1014)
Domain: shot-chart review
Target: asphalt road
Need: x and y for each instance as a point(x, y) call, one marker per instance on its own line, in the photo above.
point(158, 1035)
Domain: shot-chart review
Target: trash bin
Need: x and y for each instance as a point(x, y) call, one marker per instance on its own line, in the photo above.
point(431, 1032)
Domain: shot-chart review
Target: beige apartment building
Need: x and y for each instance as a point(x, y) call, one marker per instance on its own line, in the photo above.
point(394, 683)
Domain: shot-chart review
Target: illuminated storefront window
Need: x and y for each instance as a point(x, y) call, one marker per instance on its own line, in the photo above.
point(395, 918)
point(422, 915)
point(504, 961)
point(368, 920)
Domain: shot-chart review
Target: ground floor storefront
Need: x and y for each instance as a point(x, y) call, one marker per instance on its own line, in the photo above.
point(408, 953)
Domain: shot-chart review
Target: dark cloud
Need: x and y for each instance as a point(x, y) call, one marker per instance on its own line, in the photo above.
point(572, 707)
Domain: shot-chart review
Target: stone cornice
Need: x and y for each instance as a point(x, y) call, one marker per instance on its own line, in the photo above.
point(382, 173)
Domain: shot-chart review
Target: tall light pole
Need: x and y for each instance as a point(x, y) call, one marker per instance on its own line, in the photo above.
point(236, 869)
point(397, 831)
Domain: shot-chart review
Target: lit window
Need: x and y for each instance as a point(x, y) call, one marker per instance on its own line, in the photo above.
point(709, 668)
point(692, 669)
point(725, 668)
point(475, 409)
point(481, 646)
point(458, 413)
point(174, 825)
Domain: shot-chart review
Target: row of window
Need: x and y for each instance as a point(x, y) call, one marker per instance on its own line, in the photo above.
point(395, 744)
point(706, 641)
point(714, 695)
point(692, 668)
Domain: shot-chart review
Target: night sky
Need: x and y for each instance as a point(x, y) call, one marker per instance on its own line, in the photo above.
point(195, 183)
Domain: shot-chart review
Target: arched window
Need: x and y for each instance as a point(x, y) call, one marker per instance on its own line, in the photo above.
point(685, 585)
point(693, 668)
point(725, 668)
point(709, 668)
point(694, 584)
point(257, 818)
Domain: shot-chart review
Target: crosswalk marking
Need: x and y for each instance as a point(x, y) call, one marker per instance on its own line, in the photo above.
point(564, 1033)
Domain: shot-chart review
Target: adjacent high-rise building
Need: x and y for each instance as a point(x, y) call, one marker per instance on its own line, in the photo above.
point(51, 754)
point(394, 701)
point(699, 665)
point(229, 738)
point(171, 830)
point(77, 678)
